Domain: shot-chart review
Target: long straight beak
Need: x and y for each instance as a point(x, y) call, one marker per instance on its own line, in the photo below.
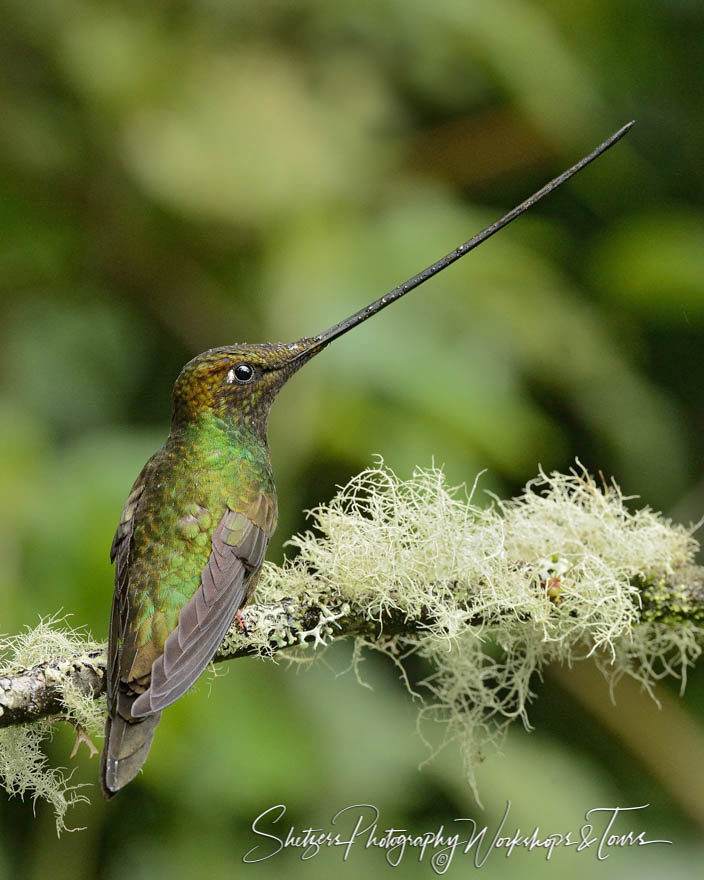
point(319, 342)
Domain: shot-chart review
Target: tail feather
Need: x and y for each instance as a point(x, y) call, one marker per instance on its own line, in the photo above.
point(126, 748)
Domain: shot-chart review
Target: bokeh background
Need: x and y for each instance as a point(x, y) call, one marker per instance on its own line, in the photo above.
point(180, 175)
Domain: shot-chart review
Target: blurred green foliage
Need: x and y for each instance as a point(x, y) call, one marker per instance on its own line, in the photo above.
point(181, 175)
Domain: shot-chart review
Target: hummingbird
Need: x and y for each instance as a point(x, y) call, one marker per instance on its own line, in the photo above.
point(194, 529)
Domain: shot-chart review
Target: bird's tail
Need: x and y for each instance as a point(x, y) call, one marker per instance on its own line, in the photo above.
point(127, 743)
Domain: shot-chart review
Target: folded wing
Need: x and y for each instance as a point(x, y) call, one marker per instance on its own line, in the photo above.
point(238, 548)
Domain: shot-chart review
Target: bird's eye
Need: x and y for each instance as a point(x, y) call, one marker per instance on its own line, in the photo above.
point(242, 373)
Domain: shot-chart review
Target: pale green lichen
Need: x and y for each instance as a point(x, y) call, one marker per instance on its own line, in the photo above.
point(557, 574)
point(24, 765)
point(549, 576)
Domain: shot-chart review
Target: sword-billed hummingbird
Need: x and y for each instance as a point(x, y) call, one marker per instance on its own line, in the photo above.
point(195, 526)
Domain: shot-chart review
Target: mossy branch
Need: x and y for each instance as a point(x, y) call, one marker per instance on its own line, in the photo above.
point(313, 618)
point(316, 618)
point(488, 596)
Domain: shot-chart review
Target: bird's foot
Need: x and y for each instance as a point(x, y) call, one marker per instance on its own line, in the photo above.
point(81, 737)
point(241, 623)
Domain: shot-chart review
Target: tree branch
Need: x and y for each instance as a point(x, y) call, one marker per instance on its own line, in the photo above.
point(314, 617)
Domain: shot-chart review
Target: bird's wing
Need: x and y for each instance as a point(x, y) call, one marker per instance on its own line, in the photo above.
point(119, 554)
point(238, 546)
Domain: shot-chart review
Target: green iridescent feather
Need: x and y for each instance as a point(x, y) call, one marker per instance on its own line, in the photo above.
point(201, 471)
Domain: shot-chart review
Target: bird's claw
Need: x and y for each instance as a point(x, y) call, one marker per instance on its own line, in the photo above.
point(81, 737)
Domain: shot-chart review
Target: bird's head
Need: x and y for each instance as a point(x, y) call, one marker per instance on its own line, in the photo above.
point(238, 381)
point(241, 381)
